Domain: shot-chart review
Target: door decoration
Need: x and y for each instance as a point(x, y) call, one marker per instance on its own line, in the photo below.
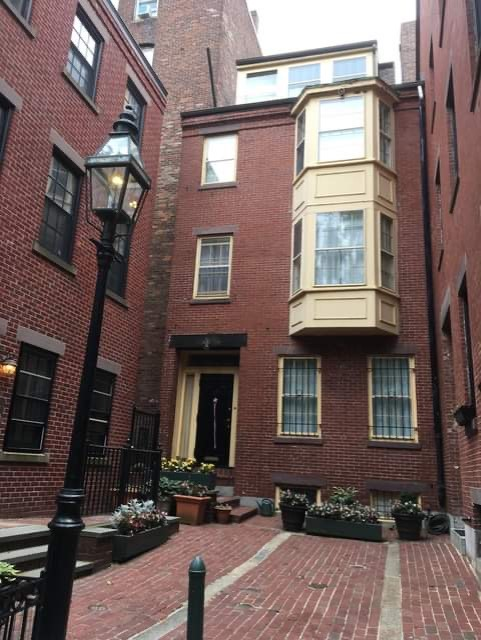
point(214, 403)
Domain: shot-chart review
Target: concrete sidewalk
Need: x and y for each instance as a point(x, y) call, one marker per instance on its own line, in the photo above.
point(266, 584)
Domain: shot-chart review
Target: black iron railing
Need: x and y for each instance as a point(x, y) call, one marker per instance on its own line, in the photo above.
point(115, 475)
point(145, 429)
point(19, 606)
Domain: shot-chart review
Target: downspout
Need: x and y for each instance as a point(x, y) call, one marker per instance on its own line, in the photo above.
point(428, 253)
point(211, 77)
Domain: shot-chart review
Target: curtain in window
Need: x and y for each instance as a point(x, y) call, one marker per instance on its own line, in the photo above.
point(340, 248)
point(299, 397)
point(391, 398)
point(261, 86)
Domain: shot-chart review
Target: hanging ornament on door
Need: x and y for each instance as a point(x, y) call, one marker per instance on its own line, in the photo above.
point(214, 406)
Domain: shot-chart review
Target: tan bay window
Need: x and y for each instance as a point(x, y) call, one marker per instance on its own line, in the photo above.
point(341, 129)
point(388, 278)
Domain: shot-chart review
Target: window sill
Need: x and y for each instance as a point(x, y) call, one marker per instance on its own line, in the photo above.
point(27, 27)
point(454, 194)
point(300, 440)
point(116, 298)
point(217, 185)
point(81, 93)
point(210, 301)
point(51, 257)
point(387, 444)
point(15, 457)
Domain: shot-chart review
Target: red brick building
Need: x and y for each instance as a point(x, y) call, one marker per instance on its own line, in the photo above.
point(297, 342)
point(449, 38)
point(64, 78)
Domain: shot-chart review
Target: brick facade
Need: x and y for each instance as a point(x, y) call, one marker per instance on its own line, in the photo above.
point(449, 45)
point(180, 59)
point(258, 208)
point(37, 294)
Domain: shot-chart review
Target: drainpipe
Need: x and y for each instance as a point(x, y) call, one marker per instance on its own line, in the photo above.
point(438, 428)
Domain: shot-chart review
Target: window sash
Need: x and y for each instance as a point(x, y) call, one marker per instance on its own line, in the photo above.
point(146, 6)
point(297, 256)
point(300, 141)
point(117, 277)
point(148, 51)
point(136, 101)
point(213, 271)
point(391, 391)
point(387, 253)
point(340, 248)
point(341, 129)
point(5, 114)
point(30, 403)
point(220, 159)
point(299, 397)
point(303, 76)
point(101, 407)
point(22, 7)
point(348, 68)
point(261, 86)
point(82, 62)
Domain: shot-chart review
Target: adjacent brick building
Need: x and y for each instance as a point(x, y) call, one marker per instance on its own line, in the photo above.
point(63, 81)
point(297, 342)
point(197, 65)
point(449, 65)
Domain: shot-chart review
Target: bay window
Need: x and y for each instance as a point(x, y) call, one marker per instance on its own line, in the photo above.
point(385, 134)
point(387, 253)
point(297, 257)
point(339, 248)
point(341, 129)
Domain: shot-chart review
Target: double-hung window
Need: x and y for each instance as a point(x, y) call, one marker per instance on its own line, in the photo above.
point(219, 159)
point(392, 398)
point(5, 115)
point(297, 257)
point(136, 101)
point(59, 213)
point(341, 129)
point(300, 141)
point(214, 256)
point(339, 248)
point(146, 8)
point(101, 407)
point(22, 7)
point(261, 86)
point(348, 68)
point(387, 253)
point(303, 76)
point(117, 277)
point(30, 406)
point(299, 384)
point(84, 54)
point(385, 139)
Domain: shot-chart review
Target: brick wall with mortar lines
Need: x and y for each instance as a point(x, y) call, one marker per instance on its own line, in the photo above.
point(36, 293)
point(180, 59)
point(461, 227)
point(261, 207)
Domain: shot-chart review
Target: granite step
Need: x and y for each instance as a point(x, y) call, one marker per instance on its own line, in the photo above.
point(23, 536)
point(233, 501)
point(239, 514)
point(82, 568)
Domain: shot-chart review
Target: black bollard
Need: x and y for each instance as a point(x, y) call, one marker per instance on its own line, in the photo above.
point(195, 608)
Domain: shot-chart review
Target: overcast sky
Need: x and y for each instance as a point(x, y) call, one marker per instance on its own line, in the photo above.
point(292, 25)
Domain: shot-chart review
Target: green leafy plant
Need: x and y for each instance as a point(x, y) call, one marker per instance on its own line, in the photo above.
point(355, 512)
point(343, 495)
point(186, 465)
point(137, 516)
point(168, 487)
point(8, 573)
point(406, 506)
point(291, 499)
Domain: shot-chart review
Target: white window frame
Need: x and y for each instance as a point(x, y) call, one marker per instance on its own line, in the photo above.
point(301, 84)
point(152, 12)
point(262, 98)
point(300, 142)
point(333, 132)
point(212, 295)
point(348, 76)
point(148, 51)
point(385, 135)
point(299, 433)
point(296, 257)
point(340, 249)
point(412, 396)
point(391, 253)
point(205, 159)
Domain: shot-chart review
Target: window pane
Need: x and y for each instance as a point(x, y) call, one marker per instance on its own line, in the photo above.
point(303, 76)
point(387, 250)
point(30, 401)
point(261, 86)
point(135, 100)
point(299, 396)
point(341, 130)
point(220, 159)
point(101, 407)
point(300, 135)
point(83, 54)
point(346, 113)
point(391, 398)
point(352, 68)
point(148, 51)
point(147, 7)
point(340, 248)
point(21, 6)
point(213, 276)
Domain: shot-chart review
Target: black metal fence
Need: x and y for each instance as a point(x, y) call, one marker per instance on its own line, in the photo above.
point(113, 476)
point(145, 429)
point(19, 606)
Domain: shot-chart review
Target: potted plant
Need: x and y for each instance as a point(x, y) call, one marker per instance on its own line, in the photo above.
point(293, 509)
point(167, 490)
point(190, 470)
point(409, 517)
point(342, 516)
point(222, 513)
point(8, 574)
point(140, 527)
point(191, 503)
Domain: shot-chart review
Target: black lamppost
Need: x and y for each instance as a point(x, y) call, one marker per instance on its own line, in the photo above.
point(118, 184)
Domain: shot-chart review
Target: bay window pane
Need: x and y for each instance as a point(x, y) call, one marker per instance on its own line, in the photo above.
point(341, 129)
point(339, 248)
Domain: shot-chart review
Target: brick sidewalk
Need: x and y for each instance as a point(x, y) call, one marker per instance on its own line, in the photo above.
point(308, 588)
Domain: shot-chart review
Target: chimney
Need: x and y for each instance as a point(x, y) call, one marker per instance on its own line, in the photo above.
point(408, 51)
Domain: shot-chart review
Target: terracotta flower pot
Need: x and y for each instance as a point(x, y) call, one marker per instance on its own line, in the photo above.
point(223, 516)
point(191, 509)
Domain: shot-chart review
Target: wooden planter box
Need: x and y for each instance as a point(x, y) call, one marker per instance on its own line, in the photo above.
point(126, 547)
point(205, 479)
point(191, 509)
point(342, 529)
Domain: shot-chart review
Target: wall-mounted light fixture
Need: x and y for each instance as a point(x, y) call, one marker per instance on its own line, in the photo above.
point(8, 366)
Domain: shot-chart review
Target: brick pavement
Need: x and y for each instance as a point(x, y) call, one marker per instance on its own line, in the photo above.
point(308, 588)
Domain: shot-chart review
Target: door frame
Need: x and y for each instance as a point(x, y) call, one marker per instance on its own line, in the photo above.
point(186, 449)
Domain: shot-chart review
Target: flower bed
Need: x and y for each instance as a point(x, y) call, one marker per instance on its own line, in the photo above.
point(180, 469)
point(140, 527)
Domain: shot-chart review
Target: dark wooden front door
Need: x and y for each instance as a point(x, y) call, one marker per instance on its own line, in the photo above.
point(214, 417)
